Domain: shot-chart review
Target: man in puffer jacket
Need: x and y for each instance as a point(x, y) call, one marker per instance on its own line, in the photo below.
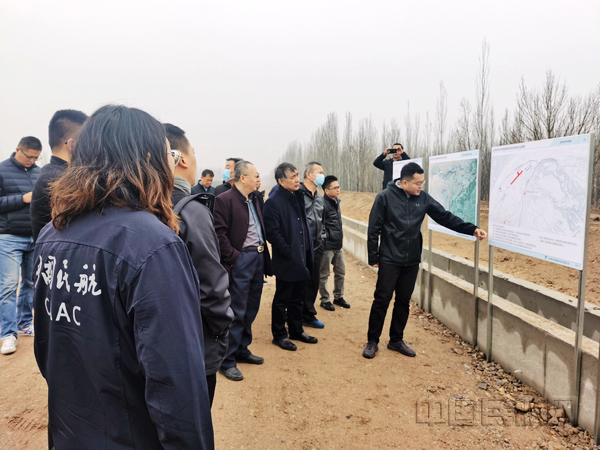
point(17, 177)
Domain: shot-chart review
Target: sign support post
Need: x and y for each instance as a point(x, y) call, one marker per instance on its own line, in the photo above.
point(488, 351)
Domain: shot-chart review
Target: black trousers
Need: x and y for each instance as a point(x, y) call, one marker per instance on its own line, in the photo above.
point(211, 381)
point(389, 279)
point(309, 313)
point(287, 305)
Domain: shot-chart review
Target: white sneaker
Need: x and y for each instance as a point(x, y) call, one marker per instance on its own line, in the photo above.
point(27, 331)
point(9, 345)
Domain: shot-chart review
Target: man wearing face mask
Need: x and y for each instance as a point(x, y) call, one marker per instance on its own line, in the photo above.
point(313, 204)
point(227, 176)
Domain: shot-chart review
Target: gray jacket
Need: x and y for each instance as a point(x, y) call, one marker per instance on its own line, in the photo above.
point(198, 233)
point(314, 213)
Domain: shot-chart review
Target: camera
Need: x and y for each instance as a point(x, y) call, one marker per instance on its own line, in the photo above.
point(393, 150)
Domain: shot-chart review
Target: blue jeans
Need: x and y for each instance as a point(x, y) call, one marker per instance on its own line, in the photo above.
point(16, 252)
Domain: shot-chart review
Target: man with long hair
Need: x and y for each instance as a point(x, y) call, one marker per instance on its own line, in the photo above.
point(119, 329)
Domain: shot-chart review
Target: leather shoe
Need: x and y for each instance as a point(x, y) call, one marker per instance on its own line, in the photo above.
point(328, 306)
point(232, 374)
point(285, 344)
point(341, 302)
point(401, 347)
point(305, 338)
point(250, 359)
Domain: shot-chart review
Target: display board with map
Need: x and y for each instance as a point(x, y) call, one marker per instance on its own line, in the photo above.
point(538, 198)
point(453, 181)
point(398, 165)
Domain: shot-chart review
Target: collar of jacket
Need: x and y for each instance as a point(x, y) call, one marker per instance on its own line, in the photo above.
point(308, 192)
point(18, 164)
point(335, 201)
point(241, 196)
point(399, 191)
point(56, 161)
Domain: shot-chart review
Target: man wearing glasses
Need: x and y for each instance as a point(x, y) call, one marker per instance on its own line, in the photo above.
point(17, 178)
point(333, 253)
point(396, 218)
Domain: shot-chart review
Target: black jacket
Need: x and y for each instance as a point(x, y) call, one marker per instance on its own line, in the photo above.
point(387, 165)
point(397, 219)
point(15, 180)
point(199, 189)
point(41, 213)
point(314, 214)
point(118, 335)
point(332, 223)
point(287, 229)
point(222, 188)
point(198, 233)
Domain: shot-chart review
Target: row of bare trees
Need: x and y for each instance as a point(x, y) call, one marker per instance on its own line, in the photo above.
point(540, 113)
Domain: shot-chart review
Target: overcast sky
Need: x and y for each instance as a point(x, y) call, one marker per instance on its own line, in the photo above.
point(244, 78)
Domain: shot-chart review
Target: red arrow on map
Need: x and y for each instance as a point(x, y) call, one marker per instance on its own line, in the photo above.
point(518, 175)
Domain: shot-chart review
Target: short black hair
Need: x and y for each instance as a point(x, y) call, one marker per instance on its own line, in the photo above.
point(176, 138)
point(208, 172)
point(328, 180)
point(64, 125)
point(235, 160)
point(30, 143)
point(398, 143)
point(309, 167)
point(282, 170)
point(409, 170)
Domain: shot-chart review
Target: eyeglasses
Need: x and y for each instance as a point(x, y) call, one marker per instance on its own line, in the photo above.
point(176, 154)
point(419, 184)
point(337, 188)
point(31, 158)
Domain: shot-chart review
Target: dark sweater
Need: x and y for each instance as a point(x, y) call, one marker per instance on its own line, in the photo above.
point(41, 213)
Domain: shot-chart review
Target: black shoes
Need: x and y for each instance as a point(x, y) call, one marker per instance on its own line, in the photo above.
point(401, 347)
point(370, 350)
point(328, 306)
point(305, 338)
point(341, 302)
point(232, 374)
point(285, 344)
point(251, 359)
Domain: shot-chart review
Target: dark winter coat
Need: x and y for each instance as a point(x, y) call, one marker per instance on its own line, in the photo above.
point(314, 214)
point(287, 229)
point(199, 189)
point(232, 219)
point(15, 181)
point(41, 213)
point(222, 188)
point(198, 233)
point(118, 334)
point(387, 165)
point(397, 219)
point(332, 223)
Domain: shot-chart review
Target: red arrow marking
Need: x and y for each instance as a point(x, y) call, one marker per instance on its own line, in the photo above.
point(518, 175)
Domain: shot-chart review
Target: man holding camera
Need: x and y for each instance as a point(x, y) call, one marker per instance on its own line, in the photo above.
point(387, 165)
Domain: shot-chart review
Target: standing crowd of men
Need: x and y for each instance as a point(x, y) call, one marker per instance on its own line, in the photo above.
point(226, 230)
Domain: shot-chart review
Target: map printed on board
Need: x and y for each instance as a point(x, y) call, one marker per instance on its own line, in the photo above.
point(398, 165)
point(452, 181)
point(538, 198)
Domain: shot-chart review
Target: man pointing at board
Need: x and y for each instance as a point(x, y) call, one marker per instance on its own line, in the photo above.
point(395, 219)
